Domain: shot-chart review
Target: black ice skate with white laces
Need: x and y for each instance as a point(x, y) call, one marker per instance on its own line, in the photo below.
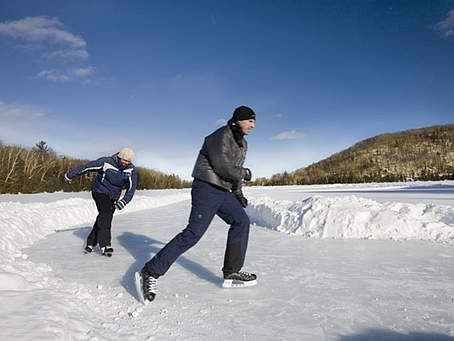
point(146, 286)
point(239, 279)
point(107, 251)
point(88, 249)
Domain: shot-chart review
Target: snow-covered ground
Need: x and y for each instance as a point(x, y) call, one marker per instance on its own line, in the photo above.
point(334, 262)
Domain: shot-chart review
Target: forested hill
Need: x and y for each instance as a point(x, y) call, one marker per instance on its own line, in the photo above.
point(418, 154)
point(40, 169)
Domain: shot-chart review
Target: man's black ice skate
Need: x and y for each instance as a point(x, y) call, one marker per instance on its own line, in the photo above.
point(88, 249)
point(107, 251)
point(146, 285)
point(239, 279)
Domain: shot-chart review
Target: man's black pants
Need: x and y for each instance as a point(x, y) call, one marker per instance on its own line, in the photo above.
point(101, 229)
point(208, 200)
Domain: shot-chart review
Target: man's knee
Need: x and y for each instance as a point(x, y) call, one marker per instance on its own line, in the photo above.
point(246, 220)
point(105, 219)
point(190, 237)
point(243, 220)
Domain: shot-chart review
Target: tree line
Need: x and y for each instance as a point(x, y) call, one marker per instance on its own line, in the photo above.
point(418, 154)
point(40, 169)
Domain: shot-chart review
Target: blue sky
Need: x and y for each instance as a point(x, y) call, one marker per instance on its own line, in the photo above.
point(89, 77)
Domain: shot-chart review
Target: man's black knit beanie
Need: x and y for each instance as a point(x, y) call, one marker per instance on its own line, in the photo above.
point(243, 113)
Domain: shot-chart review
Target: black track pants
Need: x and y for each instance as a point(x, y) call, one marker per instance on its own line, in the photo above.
point(207, 201)
point(101, 229)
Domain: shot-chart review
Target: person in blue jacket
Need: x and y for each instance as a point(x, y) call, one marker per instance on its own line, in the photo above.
point(216, 190)
point(115, 173)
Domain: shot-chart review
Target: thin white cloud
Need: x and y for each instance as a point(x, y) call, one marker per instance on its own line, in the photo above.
point(278, 115)
point(42, 29)
point(221, 122)
point(53, 75)
point(68, 54)
point(289, 135)
point(18, 111)
point(54, 42)
point(446, 27)
point(82, 71)
point(65, 76)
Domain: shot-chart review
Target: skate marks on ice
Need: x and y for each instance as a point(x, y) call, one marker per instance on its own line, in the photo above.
point(132, 252)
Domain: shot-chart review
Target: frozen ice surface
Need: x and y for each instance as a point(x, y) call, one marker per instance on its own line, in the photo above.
point(334, 262)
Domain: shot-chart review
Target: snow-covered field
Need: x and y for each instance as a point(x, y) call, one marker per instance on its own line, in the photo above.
point(334, 262)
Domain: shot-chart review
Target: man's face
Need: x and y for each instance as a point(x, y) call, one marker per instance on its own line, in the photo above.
point(124, 162)
point(246, 126)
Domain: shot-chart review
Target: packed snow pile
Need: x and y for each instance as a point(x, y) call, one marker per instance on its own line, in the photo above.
point(354, 217)
point(24, 224)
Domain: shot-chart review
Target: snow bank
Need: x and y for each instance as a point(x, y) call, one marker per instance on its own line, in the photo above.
point(49, 307)
point(23, 224)
point(354, 217)
point(317, 217)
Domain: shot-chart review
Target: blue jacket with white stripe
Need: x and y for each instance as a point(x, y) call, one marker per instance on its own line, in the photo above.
point(112, 177)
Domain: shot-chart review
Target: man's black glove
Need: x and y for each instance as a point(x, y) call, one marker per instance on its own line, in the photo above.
point(241, 198)
point(247, 174)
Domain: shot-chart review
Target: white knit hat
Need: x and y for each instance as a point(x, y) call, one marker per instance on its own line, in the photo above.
point(126, 154)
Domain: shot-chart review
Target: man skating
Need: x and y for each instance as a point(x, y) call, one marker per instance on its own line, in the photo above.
point(115, 173)
point(218, 175)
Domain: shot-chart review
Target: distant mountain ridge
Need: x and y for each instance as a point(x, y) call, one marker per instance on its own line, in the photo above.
point(417, 154)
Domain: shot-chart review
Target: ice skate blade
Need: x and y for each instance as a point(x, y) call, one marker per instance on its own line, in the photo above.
point(139, 287)
point(232, 283)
